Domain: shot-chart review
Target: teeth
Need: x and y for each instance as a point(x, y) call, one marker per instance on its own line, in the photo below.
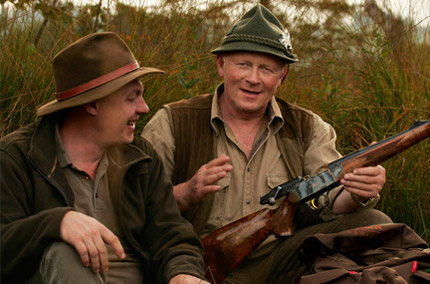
point(250, 92)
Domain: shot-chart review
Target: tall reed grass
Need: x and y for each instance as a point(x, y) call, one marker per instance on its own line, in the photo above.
point(361, 68)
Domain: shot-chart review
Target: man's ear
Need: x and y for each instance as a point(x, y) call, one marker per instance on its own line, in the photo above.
point(286, 69)
point(220, 60)
point(285, 72)
point(91, 108)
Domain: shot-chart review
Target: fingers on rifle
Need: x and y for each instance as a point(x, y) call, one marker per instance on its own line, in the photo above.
point(361, 189)
point(369, 171)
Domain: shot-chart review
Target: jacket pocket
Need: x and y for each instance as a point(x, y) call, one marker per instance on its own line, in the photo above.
point(219, 209)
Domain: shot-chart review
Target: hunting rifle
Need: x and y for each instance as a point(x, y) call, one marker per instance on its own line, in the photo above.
point(230, 245)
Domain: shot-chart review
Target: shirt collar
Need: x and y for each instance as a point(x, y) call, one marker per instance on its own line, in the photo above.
point(275, 118)
point(62, 156)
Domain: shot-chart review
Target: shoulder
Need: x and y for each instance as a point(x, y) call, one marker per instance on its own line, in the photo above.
point(198, 102)
point(144, 146)
point(18, 140)
point(298, 121)
point(137, 157)
point(160, 121)
point(186, 115)
point(298, 111)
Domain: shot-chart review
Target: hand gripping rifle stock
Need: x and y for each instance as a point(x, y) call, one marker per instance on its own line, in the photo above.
point(230, 245)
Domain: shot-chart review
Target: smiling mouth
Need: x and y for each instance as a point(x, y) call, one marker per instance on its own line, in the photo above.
point(132, 124)
point(250, 92)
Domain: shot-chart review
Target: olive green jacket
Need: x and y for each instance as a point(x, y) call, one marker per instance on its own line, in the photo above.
point(35, 196)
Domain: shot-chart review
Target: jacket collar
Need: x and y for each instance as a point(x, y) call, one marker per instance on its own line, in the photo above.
point(42, 154)
point(42, 148)
point(42, 145)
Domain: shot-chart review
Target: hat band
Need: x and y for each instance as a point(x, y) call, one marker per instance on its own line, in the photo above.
point(97, 81)
point(254, 39)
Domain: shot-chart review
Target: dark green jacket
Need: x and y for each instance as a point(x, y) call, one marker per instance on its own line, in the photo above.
point(35, 196)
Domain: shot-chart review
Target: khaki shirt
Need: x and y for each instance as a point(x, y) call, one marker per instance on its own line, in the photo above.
point(250, 178)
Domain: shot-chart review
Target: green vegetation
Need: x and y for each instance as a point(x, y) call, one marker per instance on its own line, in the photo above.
point(364, 70)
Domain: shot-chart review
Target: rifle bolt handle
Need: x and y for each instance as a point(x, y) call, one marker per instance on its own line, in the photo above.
point(272, 201)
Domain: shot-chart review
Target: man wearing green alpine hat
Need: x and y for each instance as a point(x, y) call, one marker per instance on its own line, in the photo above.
point(224, 151)
point(82, 199)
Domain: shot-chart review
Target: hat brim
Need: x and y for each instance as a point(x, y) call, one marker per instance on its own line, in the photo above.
point(96, 93)
point(254, 47)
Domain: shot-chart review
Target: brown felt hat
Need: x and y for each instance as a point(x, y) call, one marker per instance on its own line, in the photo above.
point(259, 31)
point(91, 68)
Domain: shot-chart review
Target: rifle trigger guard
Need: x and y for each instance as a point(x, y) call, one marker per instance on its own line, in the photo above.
point(314, 206)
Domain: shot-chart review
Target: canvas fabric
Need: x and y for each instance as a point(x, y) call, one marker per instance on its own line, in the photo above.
point(389, 253)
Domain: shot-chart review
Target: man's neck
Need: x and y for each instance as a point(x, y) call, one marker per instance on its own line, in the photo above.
point(244, 126)
point(83, 151)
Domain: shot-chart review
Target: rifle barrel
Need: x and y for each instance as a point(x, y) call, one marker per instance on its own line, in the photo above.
point(308, 188)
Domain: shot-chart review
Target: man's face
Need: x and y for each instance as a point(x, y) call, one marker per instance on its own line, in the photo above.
point(250, 80)
point(118, 113)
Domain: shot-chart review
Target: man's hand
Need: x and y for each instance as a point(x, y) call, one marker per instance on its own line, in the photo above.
point(365, 182)
point(202, 183)
point(89, 236)
point(362, 183)
point(186, 279)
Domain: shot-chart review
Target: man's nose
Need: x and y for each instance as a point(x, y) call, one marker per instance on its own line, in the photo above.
point(141, 106)
point(253, 76)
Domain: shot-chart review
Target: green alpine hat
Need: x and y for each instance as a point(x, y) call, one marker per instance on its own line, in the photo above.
point(259, 31)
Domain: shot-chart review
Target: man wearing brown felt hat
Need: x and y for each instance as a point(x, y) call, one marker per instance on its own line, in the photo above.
point(82, 199)
point(224, 151)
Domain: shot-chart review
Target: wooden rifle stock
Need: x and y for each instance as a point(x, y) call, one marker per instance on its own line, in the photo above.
point(230, 245)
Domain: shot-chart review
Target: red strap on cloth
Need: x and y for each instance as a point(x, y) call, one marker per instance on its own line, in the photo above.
point(97, 81)
point(414, 266)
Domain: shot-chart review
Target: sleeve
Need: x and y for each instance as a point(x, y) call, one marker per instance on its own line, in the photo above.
point(322, 147)
point(159, 133)
point(321, 152)
point(24, 234)
point(170, 239)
